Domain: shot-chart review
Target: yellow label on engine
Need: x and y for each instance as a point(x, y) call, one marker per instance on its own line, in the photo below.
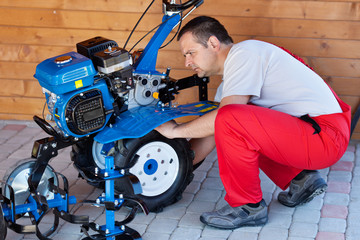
point(78, 83)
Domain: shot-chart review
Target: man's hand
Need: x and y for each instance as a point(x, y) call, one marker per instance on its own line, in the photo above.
point(167, 129)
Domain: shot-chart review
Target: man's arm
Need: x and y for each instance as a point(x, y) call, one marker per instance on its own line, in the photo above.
point(200, 127)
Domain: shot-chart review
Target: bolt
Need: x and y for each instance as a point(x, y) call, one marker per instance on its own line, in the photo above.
point(116, 202)
point(122, 227)
point(106, 174)
point(122, 172)
point(107, 231)
point(53, 145)
point(96, 170)
point(98, 200)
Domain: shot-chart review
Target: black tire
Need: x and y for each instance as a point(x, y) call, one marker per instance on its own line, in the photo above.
point(3, 228)
point(163, 180)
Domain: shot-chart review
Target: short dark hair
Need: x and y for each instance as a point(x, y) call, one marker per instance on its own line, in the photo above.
point(203, 27)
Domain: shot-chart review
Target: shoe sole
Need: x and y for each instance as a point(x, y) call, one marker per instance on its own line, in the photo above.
point(309, 195)
point(258, 222)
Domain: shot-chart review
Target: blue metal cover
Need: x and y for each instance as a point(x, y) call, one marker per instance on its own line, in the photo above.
point(65, 73)
point(139, 121)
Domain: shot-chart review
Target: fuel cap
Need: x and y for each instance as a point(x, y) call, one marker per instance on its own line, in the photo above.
point(63, 59)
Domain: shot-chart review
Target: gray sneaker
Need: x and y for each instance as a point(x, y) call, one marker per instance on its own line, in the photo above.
point(234, 217)
point(304, 190)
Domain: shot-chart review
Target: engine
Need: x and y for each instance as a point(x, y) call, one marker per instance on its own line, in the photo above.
point(84, 89)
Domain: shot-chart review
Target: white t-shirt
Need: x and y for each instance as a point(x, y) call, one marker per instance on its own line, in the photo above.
point(275, 80)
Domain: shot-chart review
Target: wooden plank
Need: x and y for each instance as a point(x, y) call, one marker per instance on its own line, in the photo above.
point(54, 34)
point(291, 27)
point(20, 88)
point(336, 67)
point(11, 116)
point(330, 10)
point(303, 47)
point(17, 70)
point(28, 53)
point(75, 19)
point(284, 9)
point(65, 37)
point(21, 105)
point(86, 5)
point(344, 86)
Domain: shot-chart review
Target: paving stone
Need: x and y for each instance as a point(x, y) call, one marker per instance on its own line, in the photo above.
point(243, 236)
point(300, 229)
point(315, 204)
point(62, 236)
point(348, 156)
point(211, 232)
point(205, 193)
point(191, 220)
point(186, 199)
point(330, 236)
point(334, 211)
point(271, 233)
point(353, 219)
point(352, 233)
point(199, 176)
point(193, 187)
point(300, 238)
point(213, 183)
point(163, 225)
point(7, 134)
point(338, 187)
point(208, 195)
point(332, 225)
point(201, 206)
point(336, 199)
point(214, 172)
point(155, 236)
point(279, 220)
point(205, 166)
point(306, 215)
point(172, 212)
point(277, 207)
point(342, 166)
point(182, 233)
point(340, 176)
point(267, 185)
point(14, 127)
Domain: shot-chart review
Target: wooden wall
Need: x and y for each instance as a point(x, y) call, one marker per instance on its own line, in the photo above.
point(324, 32)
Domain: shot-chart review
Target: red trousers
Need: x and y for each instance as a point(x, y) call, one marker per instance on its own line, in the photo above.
point(249, 138)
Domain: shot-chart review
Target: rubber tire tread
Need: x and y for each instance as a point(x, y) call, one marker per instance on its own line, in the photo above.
point(81, 154)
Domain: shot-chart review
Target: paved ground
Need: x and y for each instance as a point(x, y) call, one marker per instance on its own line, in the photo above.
point(334, 215)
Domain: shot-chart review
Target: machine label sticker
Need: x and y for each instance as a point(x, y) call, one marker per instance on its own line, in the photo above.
point(78, 83)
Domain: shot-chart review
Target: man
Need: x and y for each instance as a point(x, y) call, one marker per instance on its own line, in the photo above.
point(275, 114)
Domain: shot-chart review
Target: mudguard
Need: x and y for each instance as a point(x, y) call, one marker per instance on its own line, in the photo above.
point(139, 121)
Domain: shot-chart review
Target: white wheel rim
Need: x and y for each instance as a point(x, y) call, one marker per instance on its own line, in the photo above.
point(156, 168)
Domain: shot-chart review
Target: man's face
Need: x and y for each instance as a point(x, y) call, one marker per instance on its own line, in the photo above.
point(197, 56)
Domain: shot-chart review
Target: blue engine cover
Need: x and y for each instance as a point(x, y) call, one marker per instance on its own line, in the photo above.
point(65, 73)
point(71, 122)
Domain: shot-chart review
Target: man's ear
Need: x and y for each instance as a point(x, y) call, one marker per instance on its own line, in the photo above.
point(214, 43)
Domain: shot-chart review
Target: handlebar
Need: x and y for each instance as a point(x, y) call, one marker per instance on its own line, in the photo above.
point(180, 7)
